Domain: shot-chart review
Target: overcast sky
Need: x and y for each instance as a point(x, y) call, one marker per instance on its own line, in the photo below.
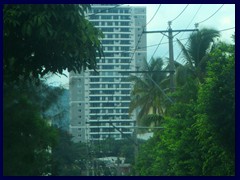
point(224, 18)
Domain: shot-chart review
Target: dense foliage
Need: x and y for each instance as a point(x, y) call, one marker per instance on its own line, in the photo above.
point(199, 128)
point(27, 136)
point(39, 39)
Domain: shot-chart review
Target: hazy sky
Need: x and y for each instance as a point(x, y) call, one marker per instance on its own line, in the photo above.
point(194, 13)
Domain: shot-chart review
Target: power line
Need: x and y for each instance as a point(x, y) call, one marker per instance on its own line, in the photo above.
point(188, 40)
point(227, 29)
point(211, 15)
point(142, 34)
point(153, 15)
point(187, 26)
point(159, 44)
point(180, 13)
point(157, 48)
point(160, 89)
point(136, 47)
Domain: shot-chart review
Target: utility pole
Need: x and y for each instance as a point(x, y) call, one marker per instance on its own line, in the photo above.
point(171, 54)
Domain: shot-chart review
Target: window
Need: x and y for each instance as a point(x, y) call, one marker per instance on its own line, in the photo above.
point(125, 130)
point(107, 79)
point(125, 30)
point(107, 104)
point(94, 73)
point(94, 110)
point(108, 54)
point(124, 110)
point(126, 98)
point(94, 92)
point(125, 67)
point(107, 29)
point(110, 98)
point(110, 85)
point(125, 85)
point(107, 41)
point(125, 23)
point(94, 17)
point(125, 48)
point(94, 98)
point(94, 104)
point(109, 23)
point(95, 23)
point(95, 136)
point(125, 54)
point(125, 92)
point(94, 79)
point(125, 60)
point(109, 35)
point(94, 85)
point(125, 42)
point(125, 35)
point(124, 117)
point(108, 91)
point(94, 117)
point(110, 60)
point(125, 104)
point(106, 17)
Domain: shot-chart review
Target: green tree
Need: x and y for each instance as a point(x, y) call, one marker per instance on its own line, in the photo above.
point(145, 94)
point(69, 158)
point(39, 39)
point(195, 55)
point(216, 113)
point(27, 139)
point(175, 150)
point(199, 128)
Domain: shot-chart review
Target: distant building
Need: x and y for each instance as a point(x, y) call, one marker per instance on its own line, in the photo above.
point(98, 99)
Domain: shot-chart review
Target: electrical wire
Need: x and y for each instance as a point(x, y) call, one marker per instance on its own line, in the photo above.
point(186, 27)
point(136, 48)
point(180, 13)
point(211, 15)
point(160, 44)
point(227, 29)
point(156, 48)
point(154, 14)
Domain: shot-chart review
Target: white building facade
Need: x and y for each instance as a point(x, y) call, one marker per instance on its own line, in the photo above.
point(99, 101)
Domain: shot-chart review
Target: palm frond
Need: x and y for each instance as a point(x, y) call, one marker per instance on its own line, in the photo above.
point(186, 54)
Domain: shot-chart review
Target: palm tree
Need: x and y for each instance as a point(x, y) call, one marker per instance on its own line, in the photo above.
point(145, 94)
point(196, 54)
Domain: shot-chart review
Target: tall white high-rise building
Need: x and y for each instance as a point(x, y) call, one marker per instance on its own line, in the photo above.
point(99, 101)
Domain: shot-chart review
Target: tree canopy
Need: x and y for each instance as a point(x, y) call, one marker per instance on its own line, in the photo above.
point(39, 39)
point(199, 128)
